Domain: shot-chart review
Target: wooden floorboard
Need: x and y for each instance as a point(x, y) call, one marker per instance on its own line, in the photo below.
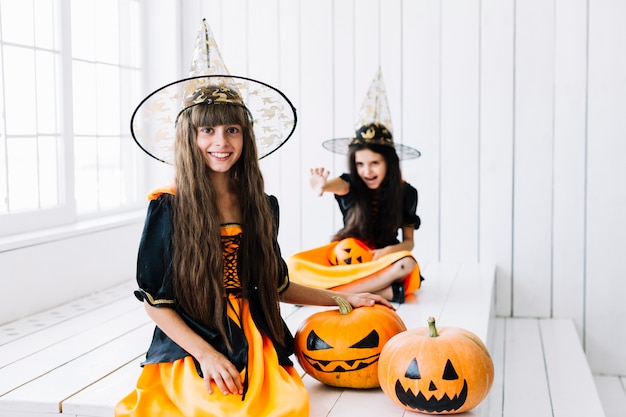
point(544, 371)
point(68, 350)
point(572, 388)
point(526, 390)
point(47, 392)
point(100, 398)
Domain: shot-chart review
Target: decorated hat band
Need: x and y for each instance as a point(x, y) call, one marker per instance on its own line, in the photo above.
point(213, 95)
point(153, 123)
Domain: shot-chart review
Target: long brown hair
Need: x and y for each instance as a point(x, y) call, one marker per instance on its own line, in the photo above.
point(196, 244)
point(359, 223)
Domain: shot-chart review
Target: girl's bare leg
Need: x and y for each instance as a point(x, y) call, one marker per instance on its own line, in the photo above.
point(380, 283)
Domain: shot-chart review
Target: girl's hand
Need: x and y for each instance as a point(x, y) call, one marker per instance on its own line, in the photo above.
point(366, 300)
point(318, 179)
point(378, 253)
point(217, 368)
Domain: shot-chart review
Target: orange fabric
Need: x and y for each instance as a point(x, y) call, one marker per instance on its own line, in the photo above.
point(312, 268)
point(176, 390)
point(349, 251)
point(167, 189)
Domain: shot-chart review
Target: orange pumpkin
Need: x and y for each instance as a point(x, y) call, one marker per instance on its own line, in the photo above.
point(432, 371)
point(341, 347)
point(349, 251)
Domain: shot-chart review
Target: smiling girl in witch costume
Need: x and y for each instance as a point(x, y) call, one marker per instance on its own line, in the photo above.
point(366, 255)
point(209, 268)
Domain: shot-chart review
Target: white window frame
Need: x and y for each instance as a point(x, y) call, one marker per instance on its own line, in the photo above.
point(13, 224)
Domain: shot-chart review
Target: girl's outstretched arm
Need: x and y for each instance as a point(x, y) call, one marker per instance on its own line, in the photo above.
point(301, 294)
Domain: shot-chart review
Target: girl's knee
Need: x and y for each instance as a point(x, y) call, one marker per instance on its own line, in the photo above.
point(406, 265)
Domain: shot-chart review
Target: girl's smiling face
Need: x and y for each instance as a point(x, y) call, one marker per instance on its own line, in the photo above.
point(221, 145)
point(371, 167)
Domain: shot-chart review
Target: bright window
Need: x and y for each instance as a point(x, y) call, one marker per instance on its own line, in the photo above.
point(69, 78)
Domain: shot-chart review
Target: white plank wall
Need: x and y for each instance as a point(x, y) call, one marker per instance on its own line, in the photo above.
point(533, 153)
point(605, 181)
point(517, 106)
point(497, 78)
point(568, 226)
point(459, 148)
point(420, 116)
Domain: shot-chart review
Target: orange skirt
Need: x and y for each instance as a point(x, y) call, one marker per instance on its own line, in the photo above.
point(313, 268)
point(176, 390)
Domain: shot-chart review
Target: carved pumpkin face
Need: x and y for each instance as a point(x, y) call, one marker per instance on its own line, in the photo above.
point(349, 251)
point(436, 372)
point(342, 347)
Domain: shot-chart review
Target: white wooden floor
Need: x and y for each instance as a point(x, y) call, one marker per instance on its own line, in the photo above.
point(82, 357)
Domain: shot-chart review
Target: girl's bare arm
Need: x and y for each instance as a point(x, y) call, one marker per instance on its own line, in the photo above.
point(301, 294)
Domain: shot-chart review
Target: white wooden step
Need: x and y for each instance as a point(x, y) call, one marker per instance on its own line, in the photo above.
point(543, 371)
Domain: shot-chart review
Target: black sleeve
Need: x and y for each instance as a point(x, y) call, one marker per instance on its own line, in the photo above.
point(154, 259)
point(346, 201)
point(283, 280)
point(409, 207)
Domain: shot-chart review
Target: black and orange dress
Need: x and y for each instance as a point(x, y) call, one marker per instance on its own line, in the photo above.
point(170, 383)
point(340, 264)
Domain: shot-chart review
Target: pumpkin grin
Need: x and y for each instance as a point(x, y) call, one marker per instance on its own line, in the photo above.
point(431, 405)
point(435, 371)
point(341, 365)
point(342, 347)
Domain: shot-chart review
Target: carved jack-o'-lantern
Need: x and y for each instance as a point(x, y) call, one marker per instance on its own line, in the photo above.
point(349, 251)
point(434, 371)
point(341, 347)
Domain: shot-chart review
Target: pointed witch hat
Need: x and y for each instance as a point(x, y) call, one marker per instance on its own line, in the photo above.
point(373, 125)
point(153, 122)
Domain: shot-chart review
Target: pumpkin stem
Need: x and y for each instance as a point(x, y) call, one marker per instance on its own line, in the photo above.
point(432, 330)
point(344, 306)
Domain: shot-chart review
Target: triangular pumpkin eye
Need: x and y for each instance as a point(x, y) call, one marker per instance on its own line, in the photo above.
point(314, 342)
point(449, 374)
point(413, 371)
point(369, 341)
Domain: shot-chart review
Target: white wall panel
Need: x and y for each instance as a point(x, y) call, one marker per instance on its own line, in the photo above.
point(344, 99)
point(570, 140)
point(316, 58)
point(534, 143)
point(420, 118)
point(288, 158)
point(459, 129)
point(496, 143)
point(390, 59)
point(606, 188)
